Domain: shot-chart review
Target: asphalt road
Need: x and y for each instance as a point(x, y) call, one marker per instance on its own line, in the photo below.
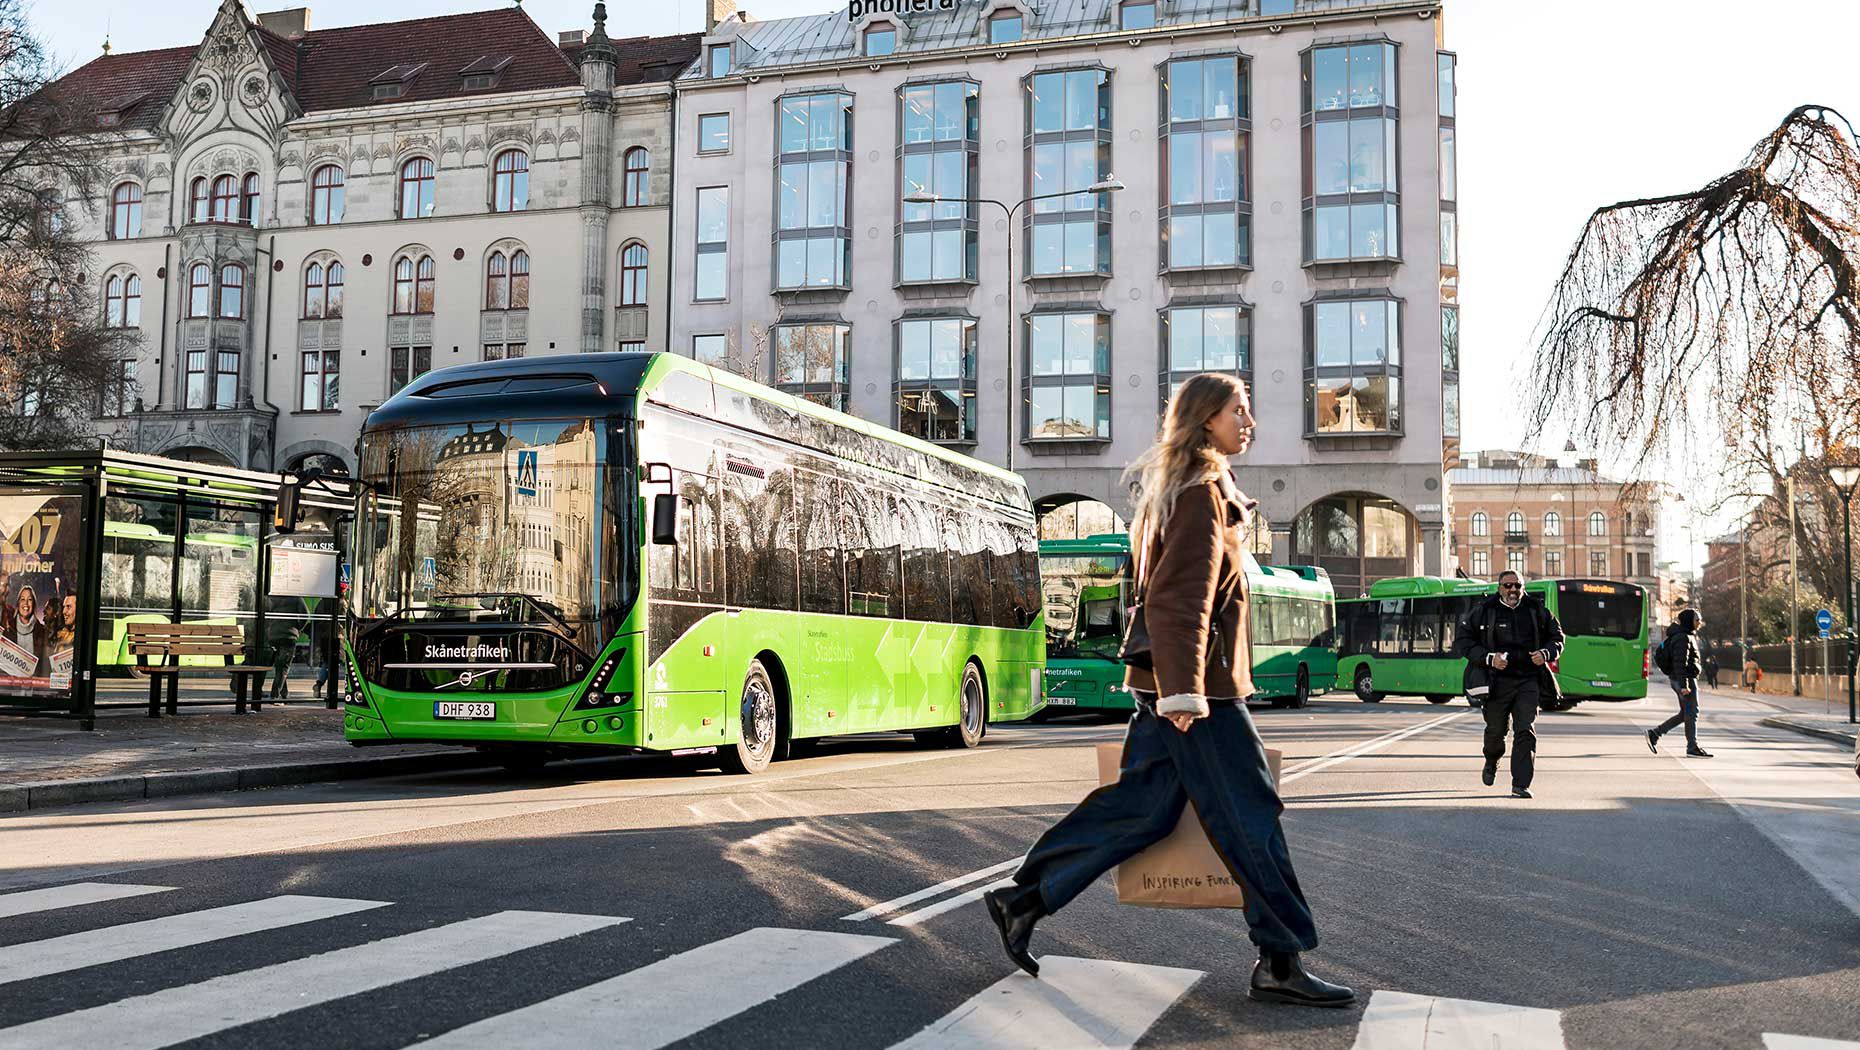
point(1637, 901)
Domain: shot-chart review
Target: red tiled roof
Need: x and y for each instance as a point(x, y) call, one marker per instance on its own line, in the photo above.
point(649, 59)
point(112, 79)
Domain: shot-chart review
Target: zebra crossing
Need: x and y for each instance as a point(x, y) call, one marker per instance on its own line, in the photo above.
point(1089, 1004)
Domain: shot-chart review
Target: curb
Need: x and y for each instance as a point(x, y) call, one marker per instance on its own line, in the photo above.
point(1845, 739)
point(18, 797)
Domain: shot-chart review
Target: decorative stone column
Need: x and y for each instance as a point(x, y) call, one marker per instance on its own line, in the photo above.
point(597, 103)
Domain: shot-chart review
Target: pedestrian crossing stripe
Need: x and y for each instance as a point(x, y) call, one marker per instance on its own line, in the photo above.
point(175, 1015)
point(1772, 1041)
point(128, 941)
point(1074, 1003)
point(674, 998)
point(1399, 1021)
point(26, 902)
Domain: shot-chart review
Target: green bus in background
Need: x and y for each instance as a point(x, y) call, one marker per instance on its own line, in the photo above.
point(1398, 639)
point(1087, 584)
point(636, 552)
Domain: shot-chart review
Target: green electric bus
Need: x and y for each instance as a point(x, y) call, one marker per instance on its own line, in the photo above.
point(1398, 639)
point(637, 552)
point(1088, 586)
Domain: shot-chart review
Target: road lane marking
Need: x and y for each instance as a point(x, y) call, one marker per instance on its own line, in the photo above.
point(1399, 1021)
point(174, 1015)
point(131, 940)
point(912, 898)
point(913, 918)
point(674, 998)
point(1772, 1041)
point(1074, 1003)
point(28, 901)
point(1341, 755)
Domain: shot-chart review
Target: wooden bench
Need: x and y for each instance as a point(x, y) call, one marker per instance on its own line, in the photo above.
point(166, 643)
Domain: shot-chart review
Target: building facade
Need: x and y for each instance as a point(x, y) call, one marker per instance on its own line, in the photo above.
point(1262, 187)
point(301, 221)
point(1520, 511)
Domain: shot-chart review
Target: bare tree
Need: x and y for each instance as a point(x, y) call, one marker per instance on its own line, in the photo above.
point(55, 352)
point(1730, 309)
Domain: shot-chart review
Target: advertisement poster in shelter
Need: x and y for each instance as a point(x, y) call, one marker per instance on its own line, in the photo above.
point(41, 557)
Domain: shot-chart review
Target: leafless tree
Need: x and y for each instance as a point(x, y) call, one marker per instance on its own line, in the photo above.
point(55, 352)
point(1726, 311)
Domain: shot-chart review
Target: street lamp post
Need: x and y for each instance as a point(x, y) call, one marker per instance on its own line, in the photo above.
point(1845, 479)
point(1108, 184)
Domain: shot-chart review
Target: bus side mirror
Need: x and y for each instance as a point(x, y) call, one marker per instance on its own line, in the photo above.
point(665, 519)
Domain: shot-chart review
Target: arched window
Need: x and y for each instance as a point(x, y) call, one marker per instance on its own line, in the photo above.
point(510, 186)
point(416, 188)
point(197, 200)
point(633, 275)
point(1514, 522)
point(126, 211)
point(496, 282)
point(519, 280)
point(199, 286)
point(313, 291)
point(122, 301)
point(1598, 523)
point(1553, 524)
point(113, 302)
point(423, 285)
point(232, 291)
point(225, 198)
point(326, 196)
point(636, 165)
point(403, 285)
point(248, 199)
point(132, 301)
point(1481, 526)
point(48, 212)
point(332, 290)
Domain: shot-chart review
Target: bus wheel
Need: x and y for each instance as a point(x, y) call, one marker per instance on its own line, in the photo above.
point(971, 717)
point(1301, 693)
point(758, 725)
point(1365, 687)
point(1437, 698)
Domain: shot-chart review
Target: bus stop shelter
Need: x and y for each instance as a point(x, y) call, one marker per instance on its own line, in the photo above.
point(93, 541)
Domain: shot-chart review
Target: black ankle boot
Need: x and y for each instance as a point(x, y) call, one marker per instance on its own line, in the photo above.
point(1281, 978)
point(1015, 910)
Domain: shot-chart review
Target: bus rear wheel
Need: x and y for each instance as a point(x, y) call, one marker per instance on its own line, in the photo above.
point(1366, 687)
point(758, 724)
point(1301, 693)
point(1438, 698)
point(971, 715)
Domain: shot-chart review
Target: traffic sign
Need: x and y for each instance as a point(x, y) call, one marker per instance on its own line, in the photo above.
point(1824, 620)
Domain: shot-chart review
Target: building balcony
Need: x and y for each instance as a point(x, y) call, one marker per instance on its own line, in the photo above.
point(1521, 538)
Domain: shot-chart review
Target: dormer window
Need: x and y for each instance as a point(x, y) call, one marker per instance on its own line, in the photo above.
point(719, 60)
point(393, 81)
point(1004, 27)
point(483, 74)
point(881, 39)
point(1138, 14)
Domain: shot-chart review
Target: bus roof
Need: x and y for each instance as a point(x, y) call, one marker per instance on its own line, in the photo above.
point(1431, 586)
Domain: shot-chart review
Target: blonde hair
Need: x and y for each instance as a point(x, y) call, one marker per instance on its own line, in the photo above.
point(1181, 458)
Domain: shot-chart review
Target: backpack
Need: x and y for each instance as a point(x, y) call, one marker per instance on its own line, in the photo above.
point(1663, 656)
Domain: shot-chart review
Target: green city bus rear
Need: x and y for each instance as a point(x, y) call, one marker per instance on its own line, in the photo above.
point(1398, 639)
point(635, 552)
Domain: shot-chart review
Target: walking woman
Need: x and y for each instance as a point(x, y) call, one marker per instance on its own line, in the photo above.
point(1191, 736)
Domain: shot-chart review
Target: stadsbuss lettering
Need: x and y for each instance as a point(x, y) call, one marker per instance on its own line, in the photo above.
point(468, 652)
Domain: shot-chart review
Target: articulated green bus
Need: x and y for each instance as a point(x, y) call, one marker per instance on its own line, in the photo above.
point(636, 552)
point(1398, 639)
point(1088, 586)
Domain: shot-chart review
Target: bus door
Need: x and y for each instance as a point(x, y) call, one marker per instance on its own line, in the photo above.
point(685, 622)
point(1392, 673)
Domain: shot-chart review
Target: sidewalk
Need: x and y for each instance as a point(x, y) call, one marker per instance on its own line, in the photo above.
point(51, 762)
point(1816, 716)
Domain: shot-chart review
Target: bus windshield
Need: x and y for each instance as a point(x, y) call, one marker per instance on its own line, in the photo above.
point(485, 521)
point(1600, 610)
point(1085, 599)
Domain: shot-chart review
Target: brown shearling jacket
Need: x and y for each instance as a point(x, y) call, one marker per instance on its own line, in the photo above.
point(1195, 602)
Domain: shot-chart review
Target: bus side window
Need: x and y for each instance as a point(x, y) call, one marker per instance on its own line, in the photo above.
point(1424, 614)
point(971, 589)
point(823, 583)
point(926, 563)
point(1392, 617)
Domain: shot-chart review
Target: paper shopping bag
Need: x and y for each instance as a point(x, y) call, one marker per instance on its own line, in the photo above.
point(1183, 870)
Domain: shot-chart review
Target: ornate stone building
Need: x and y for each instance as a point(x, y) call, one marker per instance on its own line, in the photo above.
point(300, 221)
point(1526, 512)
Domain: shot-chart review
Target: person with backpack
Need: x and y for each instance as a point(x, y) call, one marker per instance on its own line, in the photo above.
point(1680, 658)
point(1509, 641)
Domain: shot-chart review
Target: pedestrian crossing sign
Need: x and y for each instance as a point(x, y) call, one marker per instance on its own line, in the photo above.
point(526, 472)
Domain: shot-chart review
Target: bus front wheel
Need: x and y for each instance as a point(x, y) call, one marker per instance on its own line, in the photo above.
point(1366, 688)
point(1301, 693)
point(758, 724)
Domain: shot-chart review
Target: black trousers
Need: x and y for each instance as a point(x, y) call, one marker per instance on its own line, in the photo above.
point(1688, 712)
point(1220, 763)
point(1512, 704)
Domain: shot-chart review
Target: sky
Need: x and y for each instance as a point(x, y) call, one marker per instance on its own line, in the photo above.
point(1564, 105)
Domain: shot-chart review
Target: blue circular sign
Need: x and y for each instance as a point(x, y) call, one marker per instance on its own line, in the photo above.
point(1824, 619)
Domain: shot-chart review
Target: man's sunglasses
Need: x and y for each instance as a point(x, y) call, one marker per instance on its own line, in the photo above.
point(1511, 586)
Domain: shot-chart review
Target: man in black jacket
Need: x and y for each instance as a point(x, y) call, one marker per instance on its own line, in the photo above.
point(1514, 639)
point(1682, 641)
